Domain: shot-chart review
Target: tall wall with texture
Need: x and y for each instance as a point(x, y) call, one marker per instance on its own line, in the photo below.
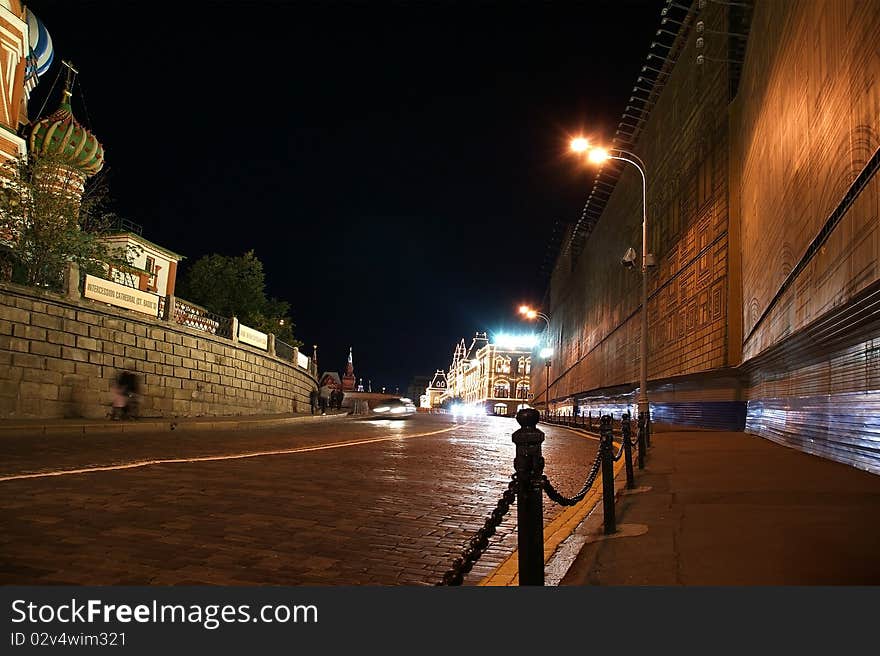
point(807, 122)
point(595, 331)
point(764, 211)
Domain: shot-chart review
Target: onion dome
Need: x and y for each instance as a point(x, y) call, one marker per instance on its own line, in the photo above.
point(60, 136)
point(40, 50)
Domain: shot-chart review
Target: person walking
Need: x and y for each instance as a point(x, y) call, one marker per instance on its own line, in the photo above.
point(313, 400)
point(324, 397)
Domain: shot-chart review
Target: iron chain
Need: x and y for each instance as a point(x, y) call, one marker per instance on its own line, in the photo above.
point(478, 544)
point(554, 495)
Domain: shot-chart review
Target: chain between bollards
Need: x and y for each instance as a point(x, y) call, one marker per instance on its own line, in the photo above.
point(606, 447)
point(529, 466)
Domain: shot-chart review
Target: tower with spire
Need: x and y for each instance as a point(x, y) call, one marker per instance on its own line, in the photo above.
point(348, 379)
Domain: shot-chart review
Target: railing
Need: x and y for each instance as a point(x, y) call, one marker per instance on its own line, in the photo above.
point(528, 482)
point(195, 316)
point(284, 350)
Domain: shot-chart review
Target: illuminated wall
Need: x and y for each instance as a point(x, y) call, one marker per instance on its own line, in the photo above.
point(763, 204)
point(595, 301)
point(808, 131)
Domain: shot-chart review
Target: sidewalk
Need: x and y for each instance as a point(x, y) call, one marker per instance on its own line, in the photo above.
point(722, 508)
point(21, 427)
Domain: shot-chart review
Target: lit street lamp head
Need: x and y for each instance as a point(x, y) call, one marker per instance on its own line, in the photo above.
point(580, 145)
point(598, 155)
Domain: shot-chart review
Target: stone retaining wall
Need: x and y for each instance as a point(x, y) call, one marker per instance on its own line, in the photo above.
point(58, 358)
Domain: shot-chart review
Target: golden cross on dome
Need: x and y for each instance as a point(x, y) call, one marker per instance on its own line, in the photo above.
point(71, 76)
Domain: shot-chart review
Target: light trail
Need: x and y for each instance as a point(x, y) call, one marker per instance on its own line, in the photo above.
point(235, 456)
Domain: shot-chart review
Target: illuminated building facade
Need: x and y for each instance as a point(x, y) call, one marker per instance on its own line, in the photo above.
point(435, 392)
point(491, 377)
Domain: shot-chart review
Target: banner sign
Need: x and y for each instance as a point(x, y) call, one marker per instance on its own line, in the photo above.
point(253, 337)
point(302, 360)
point(129, 298)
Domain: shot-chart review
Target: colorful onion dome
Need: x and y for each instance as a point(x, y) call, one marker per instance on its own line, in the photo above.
point(60, 135)
point(41, 53)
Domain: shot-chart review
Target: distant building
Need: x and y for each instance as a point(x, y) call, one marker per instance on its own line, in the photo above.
point(435, 391)
point(153, 268)
point(330, 378)
point(490, 377)
point(348, 378)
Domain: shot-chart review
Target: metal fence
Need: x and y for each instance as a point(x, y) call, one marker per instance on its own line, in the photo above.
point(283, 350)
point(195, 316)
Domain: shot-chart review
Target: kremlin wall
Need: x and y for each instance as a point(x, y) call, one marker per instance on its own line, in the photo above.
point(760, 136)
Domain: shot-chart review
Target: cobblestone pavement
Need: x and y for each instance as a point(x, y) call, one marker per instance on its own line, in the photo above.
point(327, 511)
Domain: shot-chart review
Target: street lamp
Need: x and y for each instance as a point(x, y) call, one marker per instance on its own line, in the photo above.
point(546, 352)
point(598, 155)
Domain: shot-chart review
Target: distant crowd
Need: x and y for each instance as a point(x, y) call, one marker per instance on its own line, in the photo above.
point(326, 398)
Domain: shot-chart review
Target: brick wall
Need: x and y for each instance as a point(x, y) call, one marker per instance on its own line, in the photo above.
point(58, 358)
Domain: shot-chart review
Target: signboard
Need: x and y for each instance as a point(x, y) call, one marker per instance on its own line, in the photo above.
point(253, 337)
point(302, 360)
point(129, 298)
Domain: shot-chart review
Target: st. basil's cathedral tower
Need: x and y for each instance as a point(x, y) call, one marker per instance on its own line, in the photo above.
point(70, 153)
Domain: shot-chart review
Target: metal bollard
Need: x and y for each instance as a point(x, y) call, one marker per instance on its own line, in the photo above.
point(643, 444)
point(529, 467)
point(626, 432)
point(591, 420)
point(648, 428)
point(606, 445)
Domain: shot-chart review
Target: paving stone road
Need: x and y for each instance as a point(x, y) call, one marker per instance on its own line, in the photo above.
point(346, 502)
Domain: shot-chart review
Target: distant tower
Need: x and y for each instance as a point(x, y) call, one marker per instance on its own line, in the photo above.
point(348, 379)
point(360, 387)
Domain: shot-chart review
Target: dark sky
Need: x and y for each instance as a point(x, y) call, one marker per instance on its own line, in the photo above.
point(397, 167)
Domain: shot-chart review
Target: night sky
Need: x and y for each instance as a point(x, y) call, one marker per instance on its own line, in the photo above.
point(397, 167)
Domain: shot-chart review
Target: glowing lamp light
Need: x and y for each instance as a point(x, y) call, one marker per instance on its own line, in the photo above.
point(598, 155)
point(531, 314)
point(524, 309)
point(580, 145)
point(546, 352)
point(516, 341)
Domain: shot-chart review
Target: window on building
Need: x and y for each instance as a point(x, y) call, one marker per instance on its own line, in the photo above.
point(502, 365)
point(502, 389)
point(522, 391)
point(500, 408)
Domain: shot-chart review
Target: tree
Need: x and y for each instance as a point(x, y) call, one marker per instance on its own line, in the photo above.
point(45, 223)
point(237, 286)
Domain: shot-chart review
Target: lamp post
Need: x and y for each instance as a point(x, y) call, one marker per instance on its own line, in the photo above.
point(546, 352)
point(597, 156)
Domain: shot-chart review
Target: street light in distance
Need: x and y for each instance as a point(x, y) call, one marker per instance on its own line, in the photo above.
point(545, 352)
point(598, 155)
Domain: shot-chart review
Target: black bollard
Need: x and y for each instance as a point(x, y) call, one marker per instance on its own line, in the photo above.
point(648, 428)
point(529, 467)
point(591, 420)
point(643, 444)
point(606, 445)
point(626, 432)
